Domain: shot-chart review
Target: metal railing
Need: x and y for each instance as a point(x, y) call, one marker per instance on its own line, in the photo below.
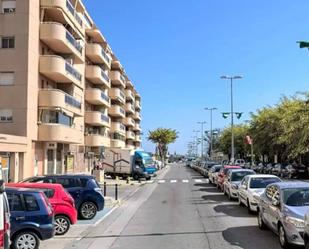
point(105, 56)
point(122, 111)
point(72, 101)
point(74, 13)
point(104, 96)
point(104, 118)
point(71, 70)
point(104, 75)
point(72, 40)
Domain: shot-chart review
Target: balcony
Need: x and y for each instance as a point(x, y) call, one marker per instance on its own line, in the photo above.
point(137, 127)
point(128, 121)
point(97, 76)
point(117, 94)
point(117, 111)
point(57, 99)
point(97, 54)
point(64, 12)
point(97, 97)
point(137, 116)
point(138, 138)
point(129, 95)
point(115, 143)
point(130, 108)
point(96, 140)
point(59, 39)
point(60, 133)
point(138, 105)
point(130, 135)
point(96, 118)
point(116, 65)
point(117, 79)
point(59, 70)
point(118, 127)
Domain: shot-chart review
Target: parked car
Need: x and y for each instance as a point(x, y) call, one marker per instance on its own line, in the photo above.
point(232, 181)
point(290, 171)
point(206, 166)
point(240, 162)
point(4, 218)
point(260, 168)
point(222, 174)
point(251, 188)
point(32, 217)
point(282, 208)
point(84, 189)
point(214, 170)
point(61, 201)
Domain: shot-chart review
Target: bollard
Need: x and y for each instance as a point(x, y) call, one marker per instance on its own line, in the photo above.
point(128, 180)
point(116, 191)
point(104, 189)
point(139, 180)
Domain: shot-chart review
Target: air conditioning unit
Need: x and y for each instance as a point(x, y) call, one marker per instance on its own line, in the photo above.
point(11, 10)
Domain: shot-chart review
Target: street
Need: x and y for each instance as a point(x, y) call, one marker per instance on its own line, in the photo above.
point(178, 210)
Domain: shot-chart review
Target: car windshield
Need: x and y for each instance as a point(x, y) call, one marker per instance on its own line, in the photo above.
point(296, 196)
point(238, 176)
point(262, 182)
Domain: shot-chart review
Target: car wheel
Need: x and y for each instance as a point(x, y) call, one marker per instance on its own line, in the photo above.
point(26, 240)
point(261, 223)
point(135, 177)
point(307, 245)
point(148, 178)
point(282, 238)
point(62, 225)
point(88, 210)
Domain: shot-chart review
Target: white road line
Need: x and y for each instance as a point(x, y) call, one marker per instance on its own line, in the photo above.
point(150, 181)
point(161, 181)
point(105, 216)
point(198, 180)
point(185, 181)
point(173, 181)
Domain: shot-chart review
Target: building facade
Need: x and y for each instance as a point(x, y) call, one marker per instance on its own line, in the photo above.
point(62, 89)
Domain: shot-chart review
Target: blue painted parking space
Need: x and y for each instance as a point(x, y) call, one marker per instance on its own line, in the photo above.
point(99, 216)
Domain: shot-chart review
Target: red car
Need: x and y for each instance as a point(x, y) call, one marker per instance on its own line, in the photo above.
point(61, 201)
point(222, 174)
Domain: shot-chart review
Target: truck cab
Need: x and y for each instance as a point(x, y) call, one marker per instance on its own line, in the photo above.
point(143, 165)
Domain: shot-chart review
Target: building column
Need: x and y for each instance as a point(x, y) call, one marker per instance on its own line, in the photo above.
point(55, 161)
point(14, 167)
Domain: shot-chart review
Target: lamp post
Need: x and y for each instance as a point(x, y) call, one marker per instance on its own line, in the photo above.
point(202, 138)
point(211, 109)
point(231, 78)
point(196, 142)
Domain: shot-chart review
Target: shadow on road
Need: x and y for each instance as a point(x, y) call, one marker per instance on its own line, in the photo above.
point(250, 237)
point(217, 198)
point(232, 210)
point(209, 190)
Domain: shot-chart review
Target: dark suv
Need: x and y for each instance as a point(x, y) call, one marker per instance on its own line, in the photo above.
point(32, 217)
point(84, 189)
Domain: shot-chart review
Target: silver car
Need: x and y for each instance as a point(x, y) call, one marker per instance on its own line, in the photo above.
point(282, 208)
point(211, 173)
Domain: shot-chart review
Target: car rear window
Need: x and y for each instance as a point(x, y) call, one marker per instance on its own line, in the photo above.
point(47, 191)
point(31, 202)
point(66, 182)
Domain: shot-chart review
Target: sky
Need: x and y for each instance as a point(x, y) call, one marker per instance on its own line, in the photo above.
point(175, 51)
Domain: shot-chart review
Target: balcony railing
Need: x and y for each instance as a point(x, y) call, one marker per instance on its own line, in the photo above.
point(123, 78)
point(73, 12)
point(72, 101)
point(122, 95)
point(72, 40)
point(104, 118)
point(122, 127)
point(104, 75)
point(105, 56)
point(104, 96)
point(71, 70)
point(122, 111)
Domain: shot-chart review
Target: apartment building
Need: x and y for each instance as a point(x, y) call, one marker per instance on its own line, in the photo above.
point(63, 91)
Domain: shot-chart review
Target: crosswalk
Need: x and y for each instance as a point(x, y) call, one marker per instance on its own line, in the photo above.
point(173, 181)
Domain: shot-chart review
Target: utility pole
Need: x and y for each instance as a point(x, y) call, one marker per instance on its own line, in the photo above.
point(202, 137)
point(211, 135)
point(231, 78)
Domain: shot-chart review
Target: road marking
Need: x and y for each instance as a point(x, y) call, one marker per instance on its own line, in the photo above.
point(105, 216)
point(161, 181)
point(198, 180)
point(150, 181)
point(185, 181)
point(173, 181)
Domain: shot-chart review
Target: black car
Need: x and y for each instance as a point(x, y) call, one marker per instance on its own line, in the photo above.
point(32, 217)
point(84, 189)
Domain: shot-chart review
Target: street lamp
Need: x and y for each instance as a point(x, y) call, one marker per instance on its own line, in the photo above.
point(202, 131)
point(196, 142)
point(231, 78)
point(211, 109)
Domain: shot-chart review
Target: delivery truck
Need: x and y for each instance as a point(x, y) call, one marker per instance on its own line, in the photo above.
point(128, 163)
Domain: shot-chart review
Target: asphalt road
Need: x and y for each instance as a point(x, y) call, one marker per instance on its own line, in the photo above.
point(178, 210)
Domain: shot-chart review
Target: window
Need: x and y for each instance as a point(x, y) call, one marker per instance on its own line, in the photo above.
point(31, 203)
point(7, 78)
point(66, 182)
point(8, 42)
point(8, 6)
point(15, 202)
point(6, 116)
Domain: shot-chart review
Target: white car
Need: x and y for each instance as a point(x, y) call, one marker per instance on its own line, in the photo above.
point(251, 188)
point(212, 172)
point(232, 181)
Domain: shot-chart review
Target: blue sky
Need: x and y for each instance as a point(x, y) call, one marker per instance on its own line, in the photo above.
point(175, 52)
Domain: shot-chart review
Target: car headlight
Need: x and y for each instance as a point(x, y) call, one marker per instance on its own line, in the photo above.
point(299, 223)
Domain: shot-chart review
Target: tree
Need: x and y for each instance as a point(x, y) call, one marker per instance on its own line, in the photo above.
point(162, 137)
